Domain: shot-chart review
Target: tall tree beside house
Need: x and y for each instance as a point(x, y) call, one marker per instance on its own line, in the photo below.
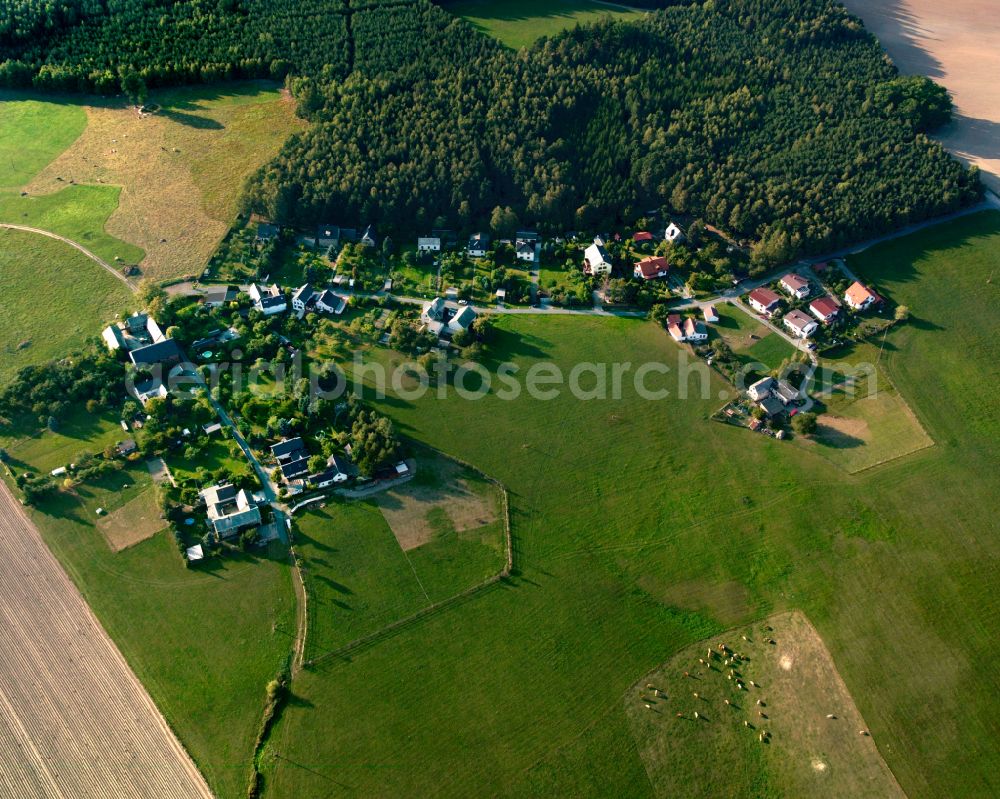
point(373, 441)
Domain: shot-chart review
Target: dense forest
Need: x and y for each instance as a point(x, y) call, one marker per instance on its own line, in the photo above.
point(780, 121)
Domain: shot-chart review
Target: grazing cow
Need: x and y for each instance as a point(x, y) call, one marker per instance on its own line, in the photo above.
point(863, 732)
point(696, 715)
point(753, 683)
point(760, 703)
point(830, 716)
point(649, 707)
point(746, 723)
point(727, 701)
point(695, 694)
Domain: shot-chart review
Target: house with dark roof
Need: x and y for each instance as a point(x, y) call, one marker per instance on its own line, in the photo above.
point(133, 332)
point(327, 236)
point(328, 302)
point(217, 296)
point(785, 392)
point(764, 301)
point(302, 296)
point(651, 268)
point(166, 352)
point(478, 245)
point(339, 469)
point(771, 405)
point(825, 309)
point(292, 457)
point(524, 249)
point(269, 300)
point(266, 232)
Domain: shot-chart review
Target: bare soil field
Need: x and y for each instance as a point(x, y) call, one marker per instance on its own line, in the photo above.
point(444, 498)
point(955, 43)
point(792, 730)
point(135, 521)
point(74, 719)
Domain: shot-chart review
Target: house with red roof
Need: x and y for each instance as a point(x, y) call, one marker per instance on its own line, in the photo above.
point(764, 301)
point(859, 297)
point(642, 237)
point(674, 327)
point(825, 309)
point(651, 268)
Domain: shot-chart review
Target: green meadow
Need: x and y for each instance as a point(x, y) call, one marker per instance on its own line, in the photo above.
point(55, 299)
point(642, 528)
point(519, 23)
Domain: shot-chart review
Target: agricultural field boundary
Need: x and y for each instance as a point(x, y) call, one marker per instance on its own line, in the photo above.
point(390, 629)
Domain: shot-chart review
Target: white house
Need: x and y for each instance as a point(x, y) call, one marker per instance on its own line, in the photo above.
point(764, 301)
point(230, 510)
point(596, 260)
point(525, 250)
point(444, 319)
point(799, 323)
point(673, 233)
point(709, 313)
point(694, 330)
point(328, 302)
point(859, 297)
point(429, 244)
point(338, 470)
point(825, 309)
point(796, 285)
point(368, 237)
point(301, 297)
point(762, 388)
point(477, 246)
point(269, 300)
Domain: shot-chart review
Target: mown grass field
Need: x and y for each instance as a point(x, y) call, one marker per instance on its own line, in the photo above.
point(750, 340)
point(161, 189)
point(642, 529)
point(46, 450)
point(54, 298)
point(360, 579)
point(519, 23)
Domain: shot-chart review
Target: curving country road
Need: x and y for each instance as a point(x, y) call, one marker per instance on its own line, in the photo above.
point(75, 722)
point(95, 258)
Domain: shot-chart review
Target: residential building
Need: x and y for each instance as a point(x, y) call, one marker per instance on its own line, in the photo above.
point(762, 388)
point(796, 285)
point(292, 457)
point(328, 302)
point(478, 245)
point(859, 297)
point(764, 301)
point(529, 236)
point(501, 296)
point(327, 236)
point(825, 309)
point(673, 233)
point(230, 510)
point(428, 244)
point(269, 300)
point(302, 296)
point(596, 260)
point(799, 324)
point(675, 327)
point(133, 332)
point(166, 352)
point(368, 237)
point(217, 296)
point(695, 330)
point(785, 392)
point(149, 390)
point(444, 319)
point(709, 313)
point(642, 237)
point(771, 405)
point(651, 268)
point(339, 469)
point(266, 232)
point(525, 250)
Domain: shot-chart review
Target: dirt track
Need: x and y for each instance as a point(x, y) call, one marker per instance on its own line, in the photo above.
point(74, 720)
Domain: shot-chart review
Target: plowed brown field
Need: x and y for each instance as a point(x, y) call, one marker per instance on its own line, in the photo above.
point(75, 722)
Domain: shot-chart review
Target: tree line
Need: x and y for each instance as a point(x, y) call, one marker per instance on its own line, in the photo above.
point(778, 121)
